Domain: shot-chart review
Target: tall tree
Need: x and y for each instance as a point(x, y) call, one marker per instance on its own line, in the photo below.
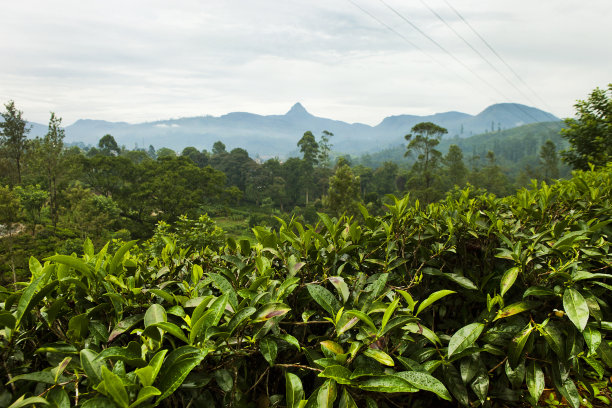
point(456, 172)
point(549, 160)
point(344, 191)
point(423, 140)
point(590, 133)
point(310, 151)
point(309, 148)
point(13, 135)
point(325, 148)
point(108, 146)
point(51, 155)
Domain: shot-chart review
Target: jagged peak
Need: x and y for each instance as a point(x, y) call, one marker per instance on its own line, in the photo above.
point(298, 109)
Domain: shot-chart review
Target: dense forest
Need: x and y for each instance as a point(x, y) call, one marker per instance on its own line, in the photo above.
point(147, 277)
point(62, 194)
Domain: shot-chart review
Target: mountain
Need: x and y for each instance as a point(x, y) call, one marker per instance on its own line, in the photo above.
point(277, 135)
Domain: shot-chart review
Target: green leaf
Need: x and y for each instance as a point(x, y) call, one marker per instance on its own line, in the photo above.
point(115, 388)
point(148, 374)
point(58, 398)
point(455, 384)
point(131, 354)
point(363, 317)
point(332, 347)
point(324, 298)
point(464, 338)
point(576, 308)
point(21, 402)
point(294, 392)
point(592, 338)
point(388, 313)
point(238, 318)
point(155, 314)
point(290, 339)
point(271, 310)
point(269, 349)
point(118, 257)
point(337, 373)
point(341, 287)
point(386, 383)
point(554, 337)
point(163, 294)
point(535, 380)
point(346, 401)
point(25, 300)
point(508, 280)
point(44, 377)
point(171, 328)
point(469, 367)
point(461, 281)
point(326, 395)
point(180, 362)
point(124, 325)
point(73, 262)
point(7, 320)
point(515, 375)
point(209, 319)
point(425, 381)
point(515, 308)
point(433, 298)
point(380, 356)
point(480, 385)
point(145, 394)
point(515, 349)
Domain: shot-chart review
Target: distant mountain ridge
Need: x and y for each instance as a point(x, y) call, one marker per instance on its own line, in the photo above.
point(277, 135)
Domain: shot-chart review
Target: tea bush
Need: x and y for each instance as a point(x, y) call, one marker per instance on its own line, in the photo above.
point(470, 301)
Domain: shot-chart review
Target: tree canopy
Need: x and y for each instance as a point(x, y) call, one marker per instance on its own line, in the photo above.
point(590, 132)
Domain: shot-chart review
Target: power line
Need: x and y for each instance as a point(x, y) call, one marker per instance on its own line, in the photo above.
point(458, 61)
point(388, 27)
point(477, 52)
point(477, 75)
point(518, 107)
point(496, 53)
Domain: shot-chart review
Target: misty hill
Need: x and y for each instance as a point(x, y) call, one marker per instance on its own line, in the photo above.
point(277, 135)
point(514, 148)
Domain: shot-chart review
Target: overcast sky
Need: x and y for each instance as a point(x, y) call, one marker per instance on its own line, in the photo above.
point(352, 60)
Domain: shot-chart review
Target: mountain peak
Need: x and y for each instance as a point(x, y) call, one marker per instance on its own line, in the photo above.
point(298, 110)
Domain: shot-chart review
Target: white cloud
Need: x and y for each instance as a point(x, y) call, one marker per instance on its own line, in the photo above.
point(148, 60)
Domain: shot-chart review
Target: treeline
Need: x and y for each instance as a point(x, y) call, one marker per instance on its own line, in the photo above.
point(52, 195)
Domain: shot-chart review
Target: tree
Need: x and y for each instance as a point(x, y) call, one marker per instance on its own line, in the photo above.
point(309, 148)
point(199, 158)
point(51, 155)
point(325, 148)
point(424, 138)
point(456, 172)
point(310, 151)
point(108, 146)
point(13, 135)
point(590, 133)
point(32, 199)
point(549, 160)
point(344, 189)
point(218, 148)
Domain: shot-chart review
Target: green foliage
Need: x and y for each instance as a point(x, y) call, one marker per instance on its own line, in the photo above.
point(590, 133)
point(13, 137)
point(470, 301)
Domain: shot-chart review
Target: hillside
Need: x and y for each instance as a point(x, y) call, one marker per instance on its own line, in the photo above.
point(277, 135)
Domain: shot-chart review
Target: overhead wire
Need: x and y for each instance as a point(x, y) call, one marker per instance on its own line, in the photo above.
point(486, 43)
point(388, 27)
point(476, 74)
point(485, 59)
